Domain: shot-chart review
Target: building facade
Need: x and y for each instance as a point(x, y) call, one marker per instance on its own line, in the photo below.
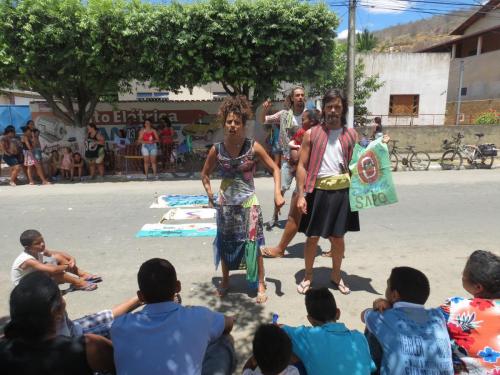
point(474, 80)
point(414, 87)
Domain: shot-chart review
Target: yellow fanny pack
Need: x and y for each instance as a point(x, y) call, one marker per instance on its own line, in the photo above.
point(342, 181)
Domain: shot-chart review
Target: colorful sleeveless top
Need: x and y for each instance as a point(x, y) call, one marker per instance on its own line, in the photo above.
point(237, 186)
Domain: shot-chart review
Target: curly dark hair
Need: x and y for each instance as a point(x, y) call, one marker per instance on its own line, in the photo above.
point(239, 105)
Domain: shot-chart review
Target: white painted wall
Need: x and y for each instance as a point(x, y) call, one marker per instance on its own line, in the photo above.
point(424, 74)
point(205, 92)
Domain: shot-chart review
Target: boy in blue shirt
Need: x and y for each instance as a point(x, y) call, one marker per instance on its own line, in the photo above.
point(404, 336)
point(328, 347)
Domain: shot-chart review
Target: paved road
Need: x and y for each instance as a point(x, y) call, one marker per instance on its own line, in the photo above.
point(440, 218)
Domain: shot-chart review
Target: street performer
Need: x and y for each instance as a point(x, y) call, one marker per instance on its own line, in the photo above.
point(323, 176)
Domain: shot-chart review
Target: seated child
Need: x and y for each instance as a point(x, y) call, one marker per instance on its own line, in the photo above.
point(77, 165)
point(411, 339)
point(66, 165)
point(59, 267)
point(295, 146)
point(272, 353)
point(474, 323)
point(328, 347)
point(54, 164)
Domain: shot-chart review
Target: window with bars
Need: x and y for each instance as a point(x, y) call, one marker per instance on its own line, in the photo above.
point(403, 105)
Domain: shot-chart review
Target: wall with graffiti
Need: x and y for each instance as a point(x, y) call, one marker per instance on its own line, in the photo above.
point(196, 118)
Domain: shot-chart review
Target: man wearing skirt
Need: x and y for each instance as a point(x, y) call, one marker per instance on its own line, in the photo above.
point(323, 182)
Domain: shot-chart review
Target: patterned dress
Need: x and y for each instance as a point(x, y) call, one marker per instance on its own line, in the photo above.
point(239, 217)
point(474, 328)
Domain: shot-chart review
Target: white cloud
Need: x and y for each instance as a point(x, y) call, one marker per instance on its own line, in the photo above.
point(385, 6)
point(343, 34)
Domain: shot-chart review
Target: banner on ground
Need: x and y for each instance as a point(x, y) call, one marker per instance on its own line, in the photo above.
point(178, 230)
point(371, 177)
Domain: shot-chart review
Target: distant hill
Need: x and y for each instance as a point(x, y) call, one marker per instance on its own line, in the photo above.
point(413, 36)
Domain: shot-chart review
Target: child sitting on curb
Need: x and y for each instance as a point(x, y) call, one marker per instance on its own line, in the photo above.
point(272, 353)
point(329, 347)
point(61, 267)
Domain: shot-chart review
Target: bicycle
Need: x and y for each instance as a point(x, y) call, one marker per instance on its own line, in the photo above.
point(416, 160)
point(478, 155)
point(189, 160)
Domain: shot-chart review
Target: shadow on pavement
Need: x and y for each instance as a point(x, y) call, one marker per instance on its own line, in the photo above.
point(239, 302)
point(321, 278)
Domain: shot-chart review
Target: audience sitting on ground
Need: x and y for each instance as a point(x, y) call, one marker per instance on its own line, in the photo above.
point(405, 338)
point(272, 353)
point(98, 323)
point(166, 337)
point(474, 324)
point(32, 346)
point(59, 265)
point(328, 347)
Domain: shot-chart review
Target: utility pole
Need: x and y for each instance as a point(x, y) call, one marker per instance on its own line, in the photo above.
point(351, 50)
point(459, 98)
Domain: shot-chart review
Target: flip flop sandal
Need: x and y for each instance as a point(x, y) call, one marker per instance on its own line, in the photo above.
point(261, 298)
point(344, 289)
point(93, 279)
point(271, 224)
point(88, 287)
point(268, 254)
point(221, 291)
point(304, 286)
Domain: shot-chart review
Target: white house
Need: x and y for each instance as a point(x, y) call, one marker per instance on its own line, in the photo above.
point(414, 87)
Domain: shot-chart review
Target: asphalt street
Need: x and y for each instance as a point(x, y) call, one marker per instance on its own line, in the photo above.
point(440, 218)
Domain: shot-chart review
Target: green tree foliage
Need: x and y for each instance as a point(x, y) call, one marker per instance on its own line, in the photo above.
point(74, 52)
point(365, 41)
point(490, 117)
point(70, 52)
point(364, 86)
point(249, 46)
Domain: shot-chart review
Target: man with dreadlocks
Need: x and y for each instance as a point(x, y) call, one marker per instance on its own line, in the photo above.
point(290, 121)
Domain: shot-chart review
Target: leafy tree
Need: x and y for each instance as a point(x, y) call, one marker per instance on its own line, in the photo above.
point(364, 86)
point(70, 52)
point(249, 46)
point(365, 41)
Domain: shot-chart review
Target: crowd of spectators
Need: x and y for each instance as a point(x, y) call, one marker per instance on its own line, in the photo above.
point(162, 336)
point(23, 154)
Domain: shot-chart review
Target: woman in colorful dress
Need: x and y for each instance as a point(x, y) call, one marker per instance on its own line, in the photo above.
point(239, 217)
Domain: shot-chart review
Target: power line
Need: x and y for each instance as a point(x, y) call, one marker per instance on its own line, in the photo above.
point(442, 3)
point(432, 11)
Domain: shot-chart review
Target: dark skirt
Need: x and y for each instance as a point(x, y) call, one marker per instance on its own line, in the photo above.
point(328, 214)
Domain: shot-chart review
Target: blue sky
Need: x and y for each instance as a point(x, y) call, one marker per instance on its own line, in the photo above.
point(379, 14)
